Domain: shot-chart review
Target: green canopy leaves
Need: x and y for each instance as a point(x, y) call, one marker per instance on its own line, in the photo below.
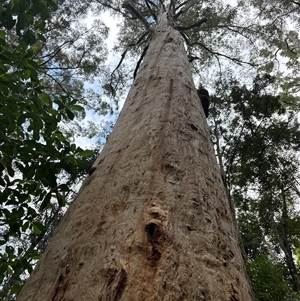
point(258, 141)
point(34, 151)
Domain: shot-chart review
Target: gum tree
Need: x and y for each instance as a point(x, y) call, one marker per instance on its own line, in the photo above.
point(152, 221)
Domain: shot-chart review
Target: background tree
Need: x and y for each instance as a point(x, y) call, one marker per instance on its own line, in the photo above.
point(45, 61)
point(257, 137)
point(276, 24)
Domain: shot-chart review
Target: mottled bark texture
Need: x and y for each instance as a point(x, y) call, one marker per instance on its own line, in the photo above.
point(152, 222)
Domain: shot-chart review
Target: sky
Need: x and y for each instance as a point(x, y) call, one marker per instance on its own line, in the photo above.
point(112, 61)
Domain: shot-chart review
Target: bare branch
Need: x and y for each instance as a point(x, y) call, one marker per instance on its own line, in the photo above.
point(130, 45)
point(238, 61)
point(57, 82)
point(215, 53)
point(152, 3)
point(139, 40)
point(121, 60)
point(295, 188)
point(184, 9)
point(116, 9)
point(129, 7)
point(162, 4)
point(150, 9)
point(182, 4)
point(172, 7)
point(231, 26)
point(288, 47)
point(193, 58)
point(197, 24)
point(186, 38)
point(50, 56)
point(140, 60)
point(178, 14)
point(295, 2)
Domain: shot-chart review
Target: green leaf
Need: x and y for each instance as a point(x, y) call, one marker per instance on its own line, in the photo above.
point(77, 108)
point(15, 289)
point(41, 37)
point(2, 35)
point(25, 226)
point(29, 37)
point(9, 23)
point(70, 114)
point(20, 25)
point(86, 153)
point(46, 202)
point(61, 200)
point(38, 227)
point(27, 74)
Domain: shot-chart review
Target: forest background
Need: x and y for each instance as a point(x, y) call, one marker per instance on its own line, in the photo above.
point(55, 71)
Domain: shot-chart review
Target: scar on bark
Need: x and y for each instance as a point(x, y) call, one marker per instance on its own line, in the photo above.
point(193, 127)
point(171, 89)
point(61, 284)
point(120, 280)
point(204, 98)
point(233, 294)
point(154, 233)
point(92, 170)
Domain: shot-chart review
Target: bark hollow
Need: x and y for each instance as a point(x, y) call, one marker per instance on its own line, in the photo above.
point(152, 222)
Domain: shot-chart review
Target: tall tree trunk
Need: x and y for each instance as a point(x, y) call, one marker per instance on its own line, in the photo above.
point(152, 222)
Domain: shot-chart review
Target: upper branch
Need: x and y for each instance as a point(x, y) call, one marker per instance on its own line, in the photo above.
point(197, 24)
point(172, 7)
point(182, 4)
point(289, 48)
point(215, 53)
point(140, 40)
point(140, 60)
point(148, 2)
point(184, 9)
point(162, 4)
point(116, 9)
point(129, 7)
point(152, 3)
point(295, 2)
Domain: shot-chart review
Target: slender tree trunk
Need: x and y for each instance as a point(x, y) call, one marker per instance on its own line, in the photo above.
point(152, 222)
point(280, 232)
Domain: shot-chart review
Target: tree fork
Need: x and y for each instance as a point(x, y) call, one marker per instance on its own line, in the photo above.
point(152, 221)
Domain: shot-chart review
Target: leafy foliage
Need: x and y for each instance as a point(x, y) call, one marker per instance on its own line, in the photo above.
point(267, 280)
point(258, 137)
point(39, 93)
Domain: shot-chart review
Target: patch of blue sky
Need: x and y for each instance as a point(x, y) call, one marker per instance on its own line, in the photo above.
point(111, 62)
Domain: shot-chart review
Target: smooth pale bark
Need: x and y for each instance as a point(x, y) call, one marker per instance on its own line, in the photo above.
point(152, 222)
